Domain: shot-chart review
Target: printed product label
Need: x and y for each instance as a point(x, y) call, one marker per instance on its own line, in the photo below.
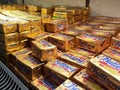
point(103, 77)
point(44, 82)
point(66, 66)
point(70, 85)
point(79, 59)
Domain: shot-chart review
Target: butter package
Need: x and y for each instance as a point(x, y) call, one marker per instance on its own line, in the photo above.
point(9, 47)
point(23, 25)
point(75, 59)
point(44, 50)
point(69, 85)
point(71, 32)
point(115, 43)
point(47, 10)
point(91, 42)
point(62, 15)
point(62, 42)
point(56, 25)
point(46, 18)
point(42, 84)
point(84, 79)
point(36, 30)
point(33, 8)
point(83, 52)
point(84, 27)
point(109, 27)
point(59, 71)
point(43, 35)
point(35, 21)
point(9, 38)
point(24, 43)
point(112, 53)
point(24, 35)
point(105, 71)
point(29, 66)
point(107, 34)
point(14, 54)
point(7, 27)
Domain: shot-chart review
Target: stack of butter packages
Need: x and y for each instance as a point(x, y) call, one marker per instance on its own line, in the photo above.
point(104, 68)
point(46, 14)
point(72, 14)
point(35, 21)
point(14, 7)
point(33, 9)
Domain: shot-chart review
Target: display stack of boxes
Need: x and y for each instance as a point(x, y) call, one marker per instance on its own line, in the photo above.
point(84, 56)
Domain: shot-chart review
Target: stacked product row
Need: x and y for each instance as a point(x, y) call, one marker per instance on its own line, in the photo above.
point(83, 56)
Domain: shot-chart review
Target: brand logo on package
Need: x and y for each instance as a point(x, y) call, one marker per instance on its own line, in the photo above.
point(66, 66)
point(70, 85)
point(47, 84)
point(103, 77)
point(45, 43)
point(77, 59)
point(109, 62)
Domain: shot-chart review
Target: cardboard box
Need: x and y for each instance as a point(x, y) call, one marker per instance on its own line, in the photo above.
point(44, 50)
point(29, 66)
point(60, 72)
point(91, 42)
point(56, 25)
point(105, 71)
point(83, 52)
point(47, 10)
point(69, 85)
point(82, 78)
point(7, 27)
point(9, 38)
point(42, 84)
point(62, 42)
point(74, 59)
point(112, 53)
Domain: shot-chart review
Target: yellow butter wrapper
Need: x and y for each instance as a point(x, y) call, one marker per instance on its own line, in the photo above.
point(29, 66)
point(69, 85)
point(91, 42)
point(9, 38)
point(112, 53)
point(7, 27)
point(62, 42)
point(62, 68)
point(106, 71)
point(42, 84)
point(56, 25)
point(44, 50)
point(75, 59)
point(83, 78)
point(84, 52)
